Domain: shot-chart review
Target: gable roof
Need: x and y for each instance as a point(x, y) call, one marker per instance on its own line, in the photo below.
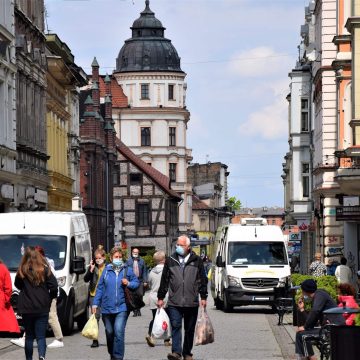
point(160, 179)
point(197, 204)
point(119, 99)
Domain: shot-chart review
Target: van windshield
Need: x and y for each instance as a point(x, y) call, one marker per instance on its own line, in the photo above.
point(13, 246)
point(257, 253)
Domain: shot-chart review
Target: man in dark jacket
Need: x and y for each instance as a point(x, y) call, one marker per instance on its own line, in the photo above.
point(137, 264)
point(321, 301)
point(184, 277)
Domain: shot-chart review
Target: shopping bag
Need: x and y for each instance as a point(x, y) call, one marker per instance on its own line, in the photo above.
point(161, 326)
point(204, 331)
point(91, 328)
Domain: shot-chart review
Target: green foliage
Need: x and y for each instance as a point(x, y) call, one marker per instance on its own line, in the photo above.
point(233, 203)
point(327, 282)
point(148, 258)
point(357, 320)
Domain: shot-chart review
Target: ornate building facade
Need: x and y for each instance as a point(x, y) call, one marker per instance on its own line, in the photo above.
point(154, 124)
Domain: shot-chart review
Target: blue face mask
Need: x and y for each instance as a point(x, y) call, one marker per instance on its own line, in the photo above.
point(118, 262)
point(307, 298)
point(180, 250)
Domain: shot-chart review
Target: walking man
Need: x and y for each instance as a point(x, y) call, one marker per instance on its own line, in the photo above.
point(184, 277)
point(138, 266)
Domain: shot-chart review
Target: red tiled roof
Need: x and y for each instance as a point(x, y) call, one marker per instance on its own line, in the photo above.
point(119, 99)
point(162, 180)
point(197, 204)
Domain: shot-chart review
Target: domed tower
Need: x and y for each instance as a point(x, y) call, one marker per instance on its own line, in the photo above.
point(154, 124)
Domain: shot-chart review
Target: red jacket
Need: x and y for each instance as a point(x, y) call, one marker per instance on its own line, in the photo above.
point(8, 322)
point(351, 303)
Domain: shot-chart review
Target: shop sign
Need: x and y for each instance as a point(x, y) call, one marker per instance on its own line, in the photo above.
point(7, 191)
point(331, 211)
point(293, 237)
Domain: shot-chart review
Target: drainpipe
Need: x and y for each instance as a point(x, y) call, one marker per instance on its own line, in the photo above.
point(107, 203)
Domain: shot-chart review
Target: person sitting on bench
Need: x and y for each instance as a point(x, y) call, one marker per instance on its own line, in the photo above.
point(321, 301)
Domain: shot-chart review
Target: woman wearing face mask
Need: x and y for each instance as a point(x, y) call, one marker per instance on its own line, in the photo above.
point(93, 275)
point(110, 295)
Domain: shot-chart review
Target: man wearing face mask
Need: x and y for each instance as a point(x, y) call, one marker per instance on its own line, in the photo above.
point(321, 301)
point(185, 279)
point(139, 268)
point(93, 275)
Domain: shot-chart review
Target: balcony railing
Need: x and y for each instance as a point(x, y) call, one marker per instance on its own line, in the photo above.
point(346, 213)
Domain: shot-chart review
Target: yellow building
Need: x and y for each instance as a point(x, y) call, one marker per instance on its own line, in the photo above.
point(63, 78)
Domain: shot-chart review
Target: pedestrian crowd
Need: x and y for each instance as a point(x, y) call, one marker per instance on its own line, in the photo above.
point(177, 284)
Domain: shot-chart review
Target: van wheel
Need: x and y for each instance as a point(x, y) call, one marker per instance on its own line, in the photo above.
point(69, 322)
point(227, 306)
point(218, 304)
point(82, 319)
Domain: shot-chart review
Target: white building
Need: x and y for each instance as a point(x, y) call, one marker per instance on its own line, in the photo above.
point(8, 177)
point(298, 161)
point(155, 123)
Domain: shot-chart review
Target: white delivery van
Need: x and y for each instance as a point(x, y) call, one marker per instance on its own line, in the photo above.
point(250, 261)
point(66, 240)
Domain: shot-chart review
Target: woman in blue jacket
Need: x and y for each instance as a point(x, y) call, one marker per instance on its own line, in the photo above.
point(110, 297)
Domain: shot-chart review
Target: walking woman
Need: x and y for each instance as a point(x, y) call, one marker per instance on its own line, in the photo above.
point(38, 286)
point(8, 322)
point(93, 275)
point(110, 296)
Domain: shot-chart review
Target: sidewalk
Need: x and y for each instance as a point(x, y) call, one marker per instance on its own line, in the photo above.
point(5, 342)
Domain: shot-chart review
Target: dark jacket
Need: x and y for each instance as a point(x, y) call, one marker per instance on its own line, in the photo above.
point(142, 268)
point(322, 301)
point(92, 277)
point(36, 299)
point(184, 284)
point(110, 294)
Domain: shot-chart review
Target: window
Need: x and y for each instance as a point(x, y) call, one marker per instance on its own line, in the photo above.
point(304, 115)
point(145, 91)
point(174, 220)
point(135, 179)
point(116, 175)
point(172, 136)
point(145, 136)
point(171, 92)
point(143, 215)
point(172, 172)
point(305, 179)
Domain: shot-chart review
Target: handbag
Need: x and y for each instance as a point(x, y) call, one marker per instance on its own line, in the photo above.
point(133, 297)
point(91, 328)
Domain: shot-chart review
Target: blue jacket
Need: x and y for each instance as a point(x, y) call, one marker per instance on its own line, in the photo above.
point(143, 275)
point(110, 291)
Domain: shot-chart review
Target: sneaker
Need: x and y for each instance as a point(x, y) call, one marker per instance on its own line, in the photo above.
point(18, 342)
point(41, 358)
point(188, 357)
point(174, 356)
point(95, 344)
point(56, 344)
point(150, 341)
point(167, 342)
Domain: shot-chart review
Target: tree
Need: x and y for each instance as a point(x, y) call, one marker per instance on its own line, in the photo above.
point(233, 203)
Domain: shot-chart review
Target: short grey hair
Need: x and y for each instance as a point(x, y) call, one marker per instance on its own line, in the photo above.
point(159, 256)
point(187, 240)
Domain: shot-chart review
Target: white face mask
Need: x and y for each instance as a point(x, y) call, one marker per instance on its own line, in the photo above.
point(135, 255)
point(99, 261)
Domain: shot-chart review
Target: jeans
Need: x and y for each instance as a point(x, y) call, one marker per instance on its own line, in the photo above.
point(176, 314)
point(35, 328)
point(303, 345)
point(115, 333)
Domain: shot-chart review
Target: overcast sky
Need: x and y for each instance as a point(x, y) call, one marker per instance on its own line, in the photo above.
point(237, 55)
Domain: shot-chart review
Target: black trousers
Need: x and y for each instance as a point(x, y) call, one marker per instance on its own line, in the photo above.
point(303, 344)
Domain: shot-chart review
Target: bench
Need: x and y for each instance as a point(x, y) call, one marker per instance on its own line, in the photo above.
point(283, 305)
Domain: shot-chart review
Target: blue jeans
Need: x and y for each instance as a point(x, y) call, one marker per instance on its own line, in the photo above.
point(115, 333)
point(176, 314)
point(35, 328)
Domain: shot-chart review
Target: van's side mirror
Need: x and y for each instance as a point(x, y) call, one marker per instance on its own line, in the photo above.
point(78, 265)
point(219, 261)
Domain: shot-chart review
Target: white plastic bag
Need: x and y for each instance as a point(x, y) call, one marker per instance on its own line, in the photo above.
point(204, 331)
point(161, 327)
point(91, 328)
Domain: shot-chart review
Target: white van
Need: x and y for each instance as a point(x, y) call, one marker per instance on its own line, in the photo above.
point(66, 240)
point(251, 260)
